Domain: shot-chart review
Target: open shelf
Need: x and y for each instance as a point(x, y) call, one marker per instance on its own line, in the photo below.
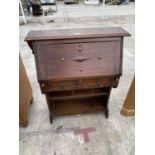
point(79, 106)
point(78, 101)
point(74, 94)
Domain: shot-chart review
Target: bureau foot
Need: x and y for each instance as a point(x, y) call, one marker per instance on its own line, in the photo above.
point(106, 113)
point(23, 123)
point(51, 119)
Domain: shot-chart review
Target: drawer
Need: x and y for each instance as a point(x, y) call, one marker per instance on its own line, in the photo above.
point(75, 84)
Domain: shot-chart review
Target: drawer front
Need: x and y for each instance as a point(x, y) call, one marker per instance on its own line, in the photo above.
point(76, 84)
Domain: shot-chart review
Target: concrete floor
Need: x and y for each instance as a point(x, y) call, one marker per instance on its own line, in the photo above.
point(113, 136)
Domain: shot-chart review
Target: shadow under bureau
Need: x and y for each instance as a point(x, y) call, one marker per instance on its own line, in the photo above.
point(77, 68)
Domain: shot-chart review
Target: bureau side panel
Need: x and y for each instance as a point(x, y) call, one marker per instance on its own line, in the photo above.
point(118, 58)
point(39, 63)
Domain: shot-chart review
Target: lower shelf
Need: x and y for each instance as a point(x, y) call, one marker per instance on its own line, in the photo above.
point(79, 106)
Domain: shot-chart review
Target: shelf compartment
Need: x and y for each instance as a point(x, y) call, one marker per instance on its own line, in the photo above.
point(79, 106)
point(74, 94)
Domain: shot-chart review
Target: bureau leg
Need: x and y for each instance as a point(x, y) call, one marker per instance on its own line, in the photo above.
point(106, 113)
point(51, 119)
point(51, 112)
point(107, 101)
point(51, 108)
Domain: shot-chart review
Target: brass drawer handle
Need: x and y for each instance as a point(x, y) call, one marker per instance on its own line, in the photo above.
point(79, 82)
point(42, 85)
point(117, 79)
point(99, 84)
point(61, 85)
point(62, 59)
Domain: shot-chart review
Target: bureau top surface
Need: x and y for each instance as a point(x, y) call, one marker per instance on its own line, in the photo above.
point(76, 33)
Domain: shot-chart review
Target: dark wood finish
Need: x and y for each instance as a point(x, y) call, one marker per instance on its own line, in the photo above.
point(48, 86)
point(76, 33)
point(79, 106)
point(93, 59)
point(128, 108)
point(77, 68)
point(75, 94)
point(25, 94)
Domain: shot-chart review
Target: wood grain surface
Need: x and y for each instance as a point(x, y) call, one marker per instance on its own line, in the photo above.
point(76, 33)
point(78, 59)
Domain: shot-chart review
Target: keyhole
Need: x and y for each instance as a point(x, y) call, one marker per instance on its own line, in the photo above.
point(99, 58)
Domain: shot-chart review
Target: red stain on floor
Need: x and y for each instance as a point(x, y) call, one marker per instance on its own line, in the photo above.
point(85, 132)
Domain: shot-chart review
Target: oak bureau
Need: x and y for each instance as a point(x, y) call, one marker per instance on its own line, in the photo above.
point(77, 68)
